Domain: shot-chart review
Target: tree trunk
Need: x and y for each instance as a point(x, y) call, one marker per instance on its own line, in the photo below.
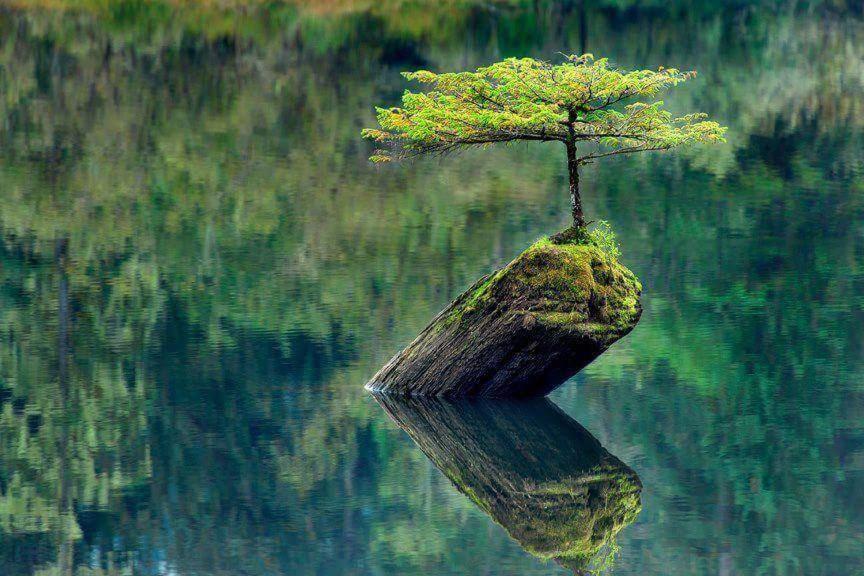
point(575, 198)
point(521, 331)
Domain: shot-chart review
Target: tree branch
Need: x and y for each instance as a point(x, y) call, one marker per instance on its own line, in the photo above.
point(629, 150)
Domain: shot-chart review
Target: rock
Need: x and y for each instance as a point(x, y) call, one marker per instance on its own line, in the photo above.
point(523, 330)
point(529, 466)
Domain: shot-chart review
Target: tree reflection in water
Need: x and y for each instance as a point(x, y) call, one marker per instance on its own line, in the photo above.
point(533, 469)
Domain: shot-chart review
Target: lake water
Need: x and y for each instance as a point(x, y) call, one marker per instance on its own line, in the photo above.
point(199, 270)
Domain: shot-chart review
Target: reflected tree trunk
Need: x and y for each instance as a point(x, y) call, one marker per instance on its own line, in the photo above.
point(531, 468)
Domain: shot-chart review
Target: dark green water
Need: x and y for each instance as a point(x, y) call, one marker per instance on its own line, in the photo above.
point(199, 270)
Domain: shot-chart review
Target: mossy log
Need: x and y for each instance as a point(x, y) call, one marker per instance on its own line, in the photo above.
point(534, 470)
point(523, 330)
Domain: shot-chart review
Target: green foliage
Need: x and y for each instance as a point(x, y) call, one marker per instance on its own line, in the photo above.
point(603, 237)
point(580, 101)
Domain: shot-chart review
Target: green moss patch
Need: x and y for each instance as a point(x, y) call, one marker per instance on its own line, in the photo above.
point(564, 282)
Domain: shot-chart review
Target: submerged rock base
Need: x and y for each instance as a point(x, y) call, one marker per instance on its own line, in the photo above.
point(530, 467)
point(523, 330)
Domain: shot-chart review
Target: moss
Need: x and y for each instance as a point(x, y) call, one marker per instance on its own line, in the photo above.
point(476, 298)
point(556, 272)
point(575, 518)
point(565, 282)
point(471, 300)
point(572, 524)
point(562, 318)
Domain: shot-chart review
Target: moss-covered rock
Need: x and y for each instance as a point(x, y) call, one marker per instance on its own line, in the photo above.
point(524, 329)
point(532, 469)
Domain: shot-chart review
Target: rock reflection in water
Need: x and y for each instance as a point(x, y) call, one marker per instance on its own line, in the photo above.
point(532, 468)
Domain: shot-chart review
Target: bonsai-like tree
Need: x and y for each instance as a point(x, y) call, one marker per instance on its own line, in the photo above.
point(593, 109)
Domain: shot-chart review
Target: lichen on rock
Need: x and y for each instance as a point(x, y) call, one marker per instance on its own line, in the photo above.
point(524, 329)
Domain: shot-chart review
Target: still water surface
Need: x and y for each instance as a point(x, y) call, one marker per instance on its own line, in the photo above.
point(199, 270)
